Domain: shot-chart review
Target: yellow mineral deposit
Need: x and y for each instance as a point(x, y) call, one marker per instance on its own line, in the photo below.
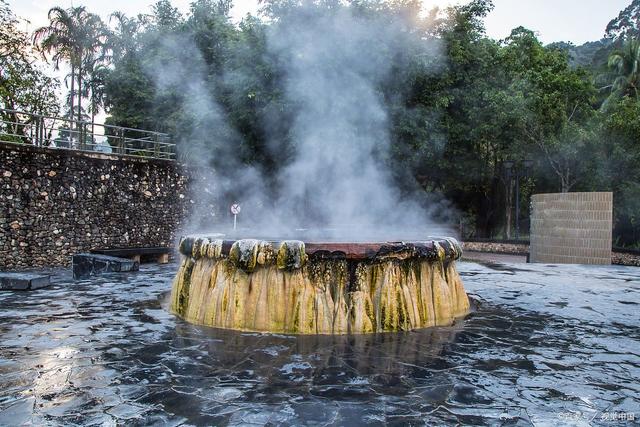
point(278, 287)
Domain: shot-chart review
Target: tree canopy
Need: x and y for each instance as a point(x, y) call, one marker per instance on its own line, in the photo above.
point(459, 104)
point(24, 86)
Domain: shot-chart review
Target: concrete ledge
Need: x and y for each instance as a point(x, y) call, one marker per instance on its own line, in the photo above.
point(87, 265)
point(23, 281)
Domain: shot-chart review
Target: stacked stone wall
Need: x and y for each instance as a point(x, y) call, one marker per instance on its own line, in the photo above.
point(497, 247)
point(55, 203)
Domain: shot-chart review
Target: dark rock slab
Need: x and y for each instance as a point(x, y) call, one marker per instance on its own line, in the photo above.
point(23, 281)
point(87, 265)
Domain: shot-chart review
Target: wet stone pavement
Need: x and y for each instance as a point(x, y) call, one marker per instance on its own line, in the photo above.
point(546, 345)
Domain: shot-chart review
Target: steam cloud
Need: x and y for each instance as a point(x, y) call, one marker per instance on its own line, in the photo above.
point(336, 186)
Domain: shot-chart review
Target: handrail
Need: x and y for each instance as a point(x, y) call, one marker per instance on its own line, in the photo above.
point(8, 110)
point(62, 133)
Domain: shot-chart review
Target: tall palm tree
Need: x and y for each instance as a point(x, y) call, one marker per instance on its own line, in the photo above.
point(59, 40)
point(122, 40)
point(94, 38)
point(623, 78)
point(94, 87)
point(72, 35)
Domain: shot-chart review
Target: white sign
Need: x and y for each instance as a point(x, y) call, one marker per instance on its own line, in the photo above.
point(235, 210)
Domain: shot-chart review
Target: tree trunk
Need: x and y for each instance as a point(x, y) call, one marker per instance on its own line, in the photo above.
point(93, 119)
point(508, 200)
point(564, 182)
point(80, 128)
point(71, 103)
point(79, 95)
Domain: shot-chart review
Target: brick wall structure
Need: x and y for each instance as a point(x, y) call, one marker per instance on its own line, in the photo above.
point(571, 228)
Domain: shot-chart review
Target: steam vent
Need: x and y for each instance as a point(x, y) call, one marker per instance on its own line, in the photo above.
point(318, 288)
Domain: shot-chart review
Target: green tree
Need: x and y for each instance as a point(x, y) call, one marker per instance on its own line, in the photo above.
point(624, 73)
point(94, 88)
point(72, 35)
point(23, 86)
point(459, 103)
point(556, 106)
point(621, 133)
point(165, 16)
point(478, 117)
point(627, 24)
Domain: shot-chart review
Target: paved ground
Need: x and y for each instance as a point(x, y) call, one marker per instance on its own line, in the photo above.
point(546, 345)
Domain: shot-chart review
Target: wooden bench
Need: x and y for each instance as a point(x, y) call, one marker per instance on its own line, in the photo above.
point(161, 254)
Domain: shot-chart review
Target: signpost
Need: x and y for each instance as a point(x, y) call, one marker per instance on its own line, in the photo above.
point(235, 210)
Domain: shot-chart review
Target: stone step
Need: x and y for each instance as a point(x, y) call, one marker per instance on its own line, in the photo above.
point(23, 281)
point(87, 265)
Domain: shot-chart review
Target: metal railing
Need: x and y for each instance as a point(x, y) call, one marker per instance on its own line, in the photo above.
point(63, 133)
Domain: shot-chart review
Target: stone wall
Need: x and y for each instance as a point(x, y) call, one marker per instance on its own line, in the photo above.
point(54, 203)
point(618, 257)
point(571, 228)
point(497, 247)
point(625, 258)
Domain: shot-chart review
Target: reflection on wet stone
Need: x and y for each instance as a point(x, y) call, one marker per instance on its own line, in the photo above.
point(541, 346)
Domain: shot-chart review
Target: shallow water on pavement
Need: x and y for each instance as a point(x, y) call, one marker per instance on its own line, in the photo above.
point(547, 345)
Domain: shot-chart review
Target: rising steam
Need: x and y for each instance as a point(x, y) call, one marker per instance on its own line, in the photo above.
point(337, 184)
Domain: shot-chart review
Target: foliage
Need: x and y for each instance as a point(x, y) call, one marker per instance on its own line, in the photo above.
point(486, 102)
point(590, 55)
point(627, 24)
point(23, 85)
point(459, 103)
point(73, 35)
point(622, 175)
point(623, 78)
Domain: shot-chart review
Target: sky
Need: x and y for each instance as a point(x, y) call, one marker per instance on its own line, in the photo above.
point(577, 21)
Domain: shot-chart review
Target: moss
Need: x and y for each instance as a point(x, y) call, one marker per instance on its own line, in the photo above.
point(291, 255)
point(214, 249)
point(244, 254)
point(183, 296)
point(296, 318)
point(420, 285)
point(297, 301)
point(406, 266)
point(440, 251)
point(225, 300)
point(385, 319)
point(195, 248)
point(374, 277)
point(186, 246)
point(402, 309)
point(203, 248)
point(311, 309)
point(368, 309)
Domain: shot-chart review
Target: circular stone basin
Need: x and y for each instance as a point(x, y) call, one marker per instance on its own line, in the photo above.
point(300, 287)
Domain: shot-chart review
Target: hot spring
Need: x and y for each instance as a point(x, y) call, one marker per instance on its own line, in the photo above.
point(300, 287)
